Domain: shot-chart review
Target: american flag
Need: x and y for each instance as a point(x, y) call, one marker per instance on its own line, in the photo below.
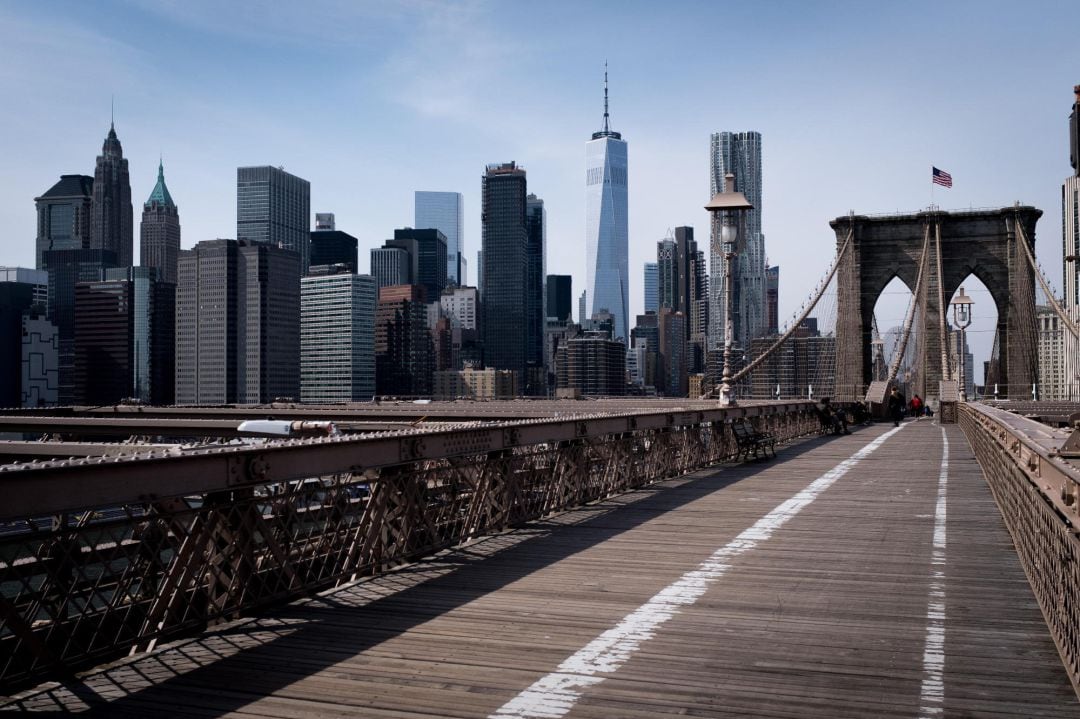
point(942, 178)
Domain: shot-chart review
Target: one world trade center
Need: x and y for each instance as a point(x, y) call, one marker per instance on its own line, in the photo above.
point(606, 236)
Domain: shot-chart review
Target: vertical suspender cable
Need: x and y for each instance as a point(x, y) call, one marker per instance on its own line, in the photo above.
point(902, 347)
point(945, 374)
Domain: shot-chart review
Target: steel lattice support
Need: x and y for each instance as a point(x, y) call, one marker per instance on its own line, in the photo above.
point(102, 557)
point(1037, 495)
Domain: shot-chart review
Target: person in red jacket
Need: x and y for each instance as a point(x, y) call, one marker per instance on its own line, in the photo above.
point(916, 406)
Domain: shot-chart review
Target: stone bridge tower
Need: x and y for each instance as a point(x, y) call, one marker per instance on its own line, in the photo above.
point(981, 243)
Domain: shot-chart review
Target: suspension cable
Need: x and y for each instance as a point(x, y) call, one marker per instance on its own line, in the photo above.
point(797, 323)
point(942, 345)
point(901, 348)
point(1042, 280)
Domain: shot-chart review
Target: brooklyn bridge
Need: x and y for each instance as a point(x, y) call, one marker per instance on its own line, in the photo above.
point(600, 558)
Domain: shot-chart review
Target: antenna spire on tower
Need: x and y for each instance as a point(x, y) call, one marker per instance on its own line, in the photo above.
point(607, 127)
point(112, 112)
point(606, 131)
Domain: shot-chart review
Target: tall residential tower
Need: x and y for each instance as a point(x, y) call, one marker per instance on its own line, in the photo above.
point(606, 229)
point(1070, 226)
point(738, 153)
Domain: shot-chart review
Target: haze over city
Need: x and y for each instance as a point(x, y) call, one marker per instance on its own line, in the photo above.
point(373, 101)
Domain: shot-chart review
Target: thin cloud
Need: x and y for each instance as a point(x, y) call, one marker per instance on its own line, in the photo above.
point(335, 22)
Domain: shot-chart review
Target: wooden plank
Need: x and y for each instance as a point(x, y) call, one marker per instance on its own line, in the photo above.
point(825, 619)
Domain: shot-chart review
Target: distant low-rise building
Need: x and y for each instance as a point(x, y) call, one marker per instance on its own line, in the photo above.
point(671, 328)
point(1051, 384)
point(16, 299)
point(593, 365)
point(391, 266)
point(331, 246)
point(66, 268)
point(697, 385)
point(404, 351)
point(805, 362)
point(37, 279)
point(125, 338)
point(469, 383)
point(39, 386)
point(646, 334)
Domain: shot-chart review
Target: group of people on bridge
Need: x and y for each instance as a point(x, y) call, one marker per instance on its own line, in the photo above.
point(836, 419)
point(897, 406)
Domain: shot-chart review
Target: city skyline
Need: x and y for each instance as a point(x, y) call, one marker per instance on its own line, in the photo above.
point(904, 108)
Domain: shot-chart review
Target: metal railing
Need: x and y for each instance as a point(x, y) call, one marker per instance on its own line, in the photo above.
point(109, 555)
point(1036, 490)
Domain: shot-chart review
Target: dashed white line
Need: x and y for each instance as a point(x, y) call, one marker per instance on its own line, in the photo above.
point(554, 695)
point(932, 694)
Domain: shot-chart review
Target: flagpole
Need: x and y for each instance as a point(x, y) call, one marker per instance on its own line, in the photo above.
point(931, 187)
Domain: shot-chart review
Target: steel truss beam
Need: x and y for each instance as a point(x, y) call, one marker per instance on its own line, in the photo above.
point(1036, 491)
point(103, 556)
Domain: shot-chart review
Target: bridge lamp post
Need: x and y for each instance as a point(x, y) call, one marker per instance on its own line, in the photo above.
point(877, 346)
point(962, 317)
point(728, 209)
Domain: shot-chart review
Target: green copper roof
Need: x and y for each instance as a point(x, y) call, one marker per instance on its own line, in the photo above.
point(161, 194)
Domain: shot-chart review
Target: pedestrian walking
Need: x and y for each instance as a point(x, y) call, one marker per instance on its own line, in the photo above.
point(896, 405)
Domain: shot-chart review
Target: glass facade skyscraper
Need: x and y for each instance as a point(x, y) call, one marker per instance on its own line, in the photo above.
point(16, 299)
point(63, 216)
point(652, 287)
point(606, 228)
point(535, 279)
point(337, 337)
point(559, 297)
point(444, 211)
point(504, 265)
point(274, 208)
point(125, 338)
point(427, 255)
point(740, 154)
point(67, 268)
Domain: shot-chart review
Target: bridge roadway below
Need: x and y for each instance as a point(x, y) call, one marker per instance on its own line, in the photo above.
point(859, 576)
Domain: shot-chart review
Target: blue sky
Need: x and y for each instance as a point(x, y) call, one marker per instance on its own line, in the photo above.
point(371, 101)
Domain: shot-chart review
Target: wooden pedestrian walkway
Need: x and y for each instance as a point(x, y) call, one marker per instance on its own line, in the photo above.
point(860, 576)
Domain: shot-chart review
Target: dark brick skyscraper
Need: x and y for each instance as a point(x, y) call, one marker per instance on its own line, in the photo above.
point(63, 213)
point(535, 272)
point(504, 238)
point(159, 233)
point(111, 224)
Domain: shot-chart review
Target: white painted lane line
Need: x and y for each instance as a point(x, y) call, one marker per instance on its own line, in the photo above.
point(554, 695)
point(932, 696)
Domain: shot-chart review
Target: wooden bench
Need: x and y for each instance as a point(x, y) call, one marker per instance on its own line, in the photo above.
point(749, 440)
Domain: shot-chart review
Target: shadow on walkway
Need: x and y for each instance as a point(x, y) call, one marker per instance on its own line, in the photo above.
point(223, 671)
